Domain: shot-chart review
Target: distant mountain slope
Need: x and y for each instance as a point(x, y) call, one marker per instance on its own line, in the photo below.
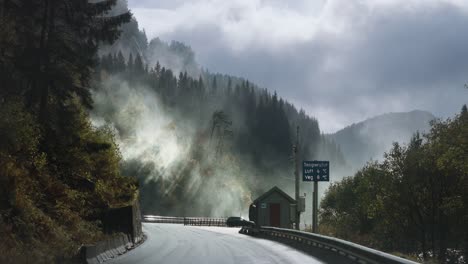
point(369, 139)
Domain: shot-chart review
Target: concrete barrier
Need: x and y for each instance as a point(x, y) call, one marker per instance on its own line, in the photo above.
point(125, 224)
point(104, 250)
point(125, 220)
point(108, 249)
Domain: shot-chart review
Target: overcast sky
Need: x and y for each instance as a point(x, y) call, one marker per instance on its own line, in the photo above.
point(341, 60)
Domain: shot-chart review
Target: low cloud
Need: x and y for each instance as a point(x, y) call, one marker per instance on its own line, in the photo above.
point(342, 61)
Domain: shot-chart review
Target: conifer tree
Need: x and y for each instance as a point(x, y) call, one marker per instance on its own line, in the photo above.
point(130, 63)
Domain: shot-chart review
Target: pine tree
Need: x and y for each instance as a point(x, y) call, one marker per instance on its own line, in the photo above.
point(157, 68)
point(464, 114)
point(214, 86)
point(138, 66)
point(130, 63)
point(120, 61)
point(229, 87)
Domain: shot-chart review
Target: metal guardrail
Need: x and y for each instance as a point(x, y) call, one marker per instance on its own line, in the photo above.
point(192, 221)
point(163, 219)
point(301, 239)
point(195, 221)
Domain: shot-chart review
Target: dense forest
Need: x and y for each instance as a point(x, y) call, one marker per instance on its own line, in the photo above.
point(413, 202)
point(190, 136)
point(58, 172)
point(226, 119)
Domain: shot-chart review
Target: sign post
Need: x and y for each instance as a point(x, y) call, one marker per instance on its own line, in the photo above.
point(296, 175)
point(315, 171)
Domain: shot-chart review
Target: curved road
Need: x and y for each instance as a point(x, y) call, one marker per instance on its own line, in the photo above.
point(175, 243)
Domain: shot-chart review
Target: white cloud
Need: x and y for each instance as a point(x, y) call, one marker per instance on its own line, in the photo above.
point(274, 23)
point(327, 56)
point(242, 23)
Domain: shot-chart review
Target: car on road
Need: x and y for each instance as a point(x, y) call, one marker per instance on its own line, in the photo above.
point(234, 221)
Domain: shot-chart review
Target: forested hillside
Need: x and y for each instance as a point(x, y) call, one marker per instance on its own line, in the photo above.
point(58, 173)
point(413, 202)
point(213, 118)
point(193, 137)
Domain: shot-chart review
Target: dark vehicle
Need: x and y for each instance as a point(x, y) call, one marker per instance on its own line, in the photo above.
point(234, 221)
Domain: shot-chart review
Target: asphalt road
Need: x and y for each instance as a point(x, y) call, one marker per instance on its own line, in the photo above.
point(175, 243)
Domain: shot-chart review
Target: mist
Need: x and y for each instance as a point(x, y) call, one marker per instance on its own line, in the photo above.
point(176, 56)
point(176, 155)
point(170, 154)
point(163, 118)
point(371, 138)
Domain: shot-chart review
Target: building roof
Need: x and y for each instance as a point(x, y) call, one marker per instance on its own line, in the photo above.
point(278, 190)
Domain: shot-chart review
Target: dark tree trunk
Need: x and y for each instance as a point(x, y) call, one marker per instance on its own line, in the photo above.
point(45, 85)
point(423, 244)
point(38, 83)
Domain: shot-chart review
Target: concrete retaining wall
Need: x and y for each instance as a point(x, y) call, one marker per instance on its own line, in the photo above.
point(137, 232)
point(125, 222)
point(107, 249)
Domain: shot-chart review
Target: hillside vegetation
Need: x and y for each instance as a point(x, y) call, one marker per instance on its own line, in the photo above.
point(226, 131)
point(415, 201)
point(58, 173)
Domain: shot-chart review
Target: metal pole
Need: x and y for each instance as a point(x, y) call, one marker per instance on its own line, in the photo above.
point(296, 174)
point(315, 207)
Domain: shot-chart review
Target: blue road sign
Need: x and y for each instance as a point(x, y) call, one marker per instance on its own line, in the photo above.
point(315, 170)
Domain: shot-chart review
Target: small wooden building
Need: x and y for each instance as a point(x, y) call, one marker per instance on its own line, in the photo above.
point(273, 208)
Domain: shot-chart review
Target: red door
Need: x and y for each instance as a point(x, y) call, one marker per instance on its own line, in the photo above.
point(275, 214)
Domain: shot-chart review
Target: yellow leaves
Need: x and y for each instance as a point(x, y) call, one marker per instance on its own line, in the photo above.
point(18, 131)
point(40, 161)
point(43, 193)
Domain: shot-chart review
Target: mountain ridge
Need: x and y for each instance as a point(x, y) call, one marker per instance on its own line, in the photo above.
point(370, 138)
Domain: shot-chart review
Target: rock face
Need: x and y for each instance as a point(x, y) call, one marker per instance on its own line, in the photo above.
point(369, 139)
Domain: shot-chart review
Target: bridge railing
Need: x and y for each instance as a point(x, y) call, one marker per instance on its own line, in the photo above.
point(307, 241)
point(193, 221)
